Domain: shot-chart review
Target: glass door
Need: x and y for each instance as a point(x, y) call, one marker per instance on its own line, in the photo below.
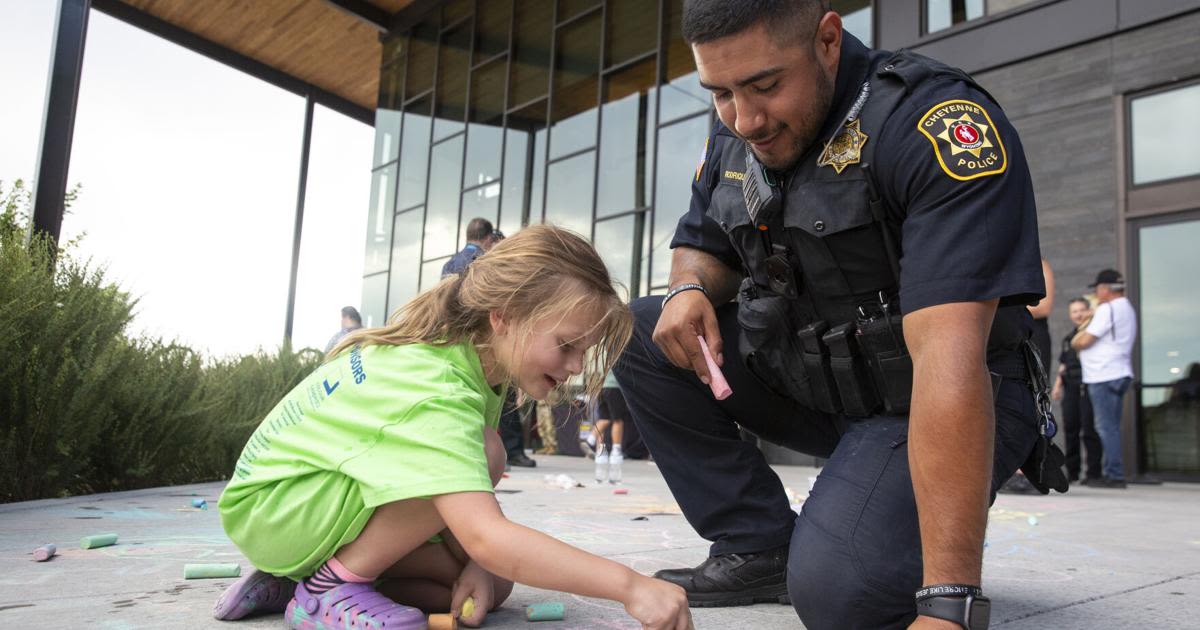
point(1168, 303)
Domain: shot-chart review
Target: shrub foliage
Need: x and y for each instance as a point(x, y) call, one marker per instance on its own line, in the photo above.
point(84, 407)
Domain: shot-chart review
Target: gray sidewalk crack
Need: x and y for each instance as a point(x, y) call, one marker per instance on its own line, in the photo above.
point(1095, 598)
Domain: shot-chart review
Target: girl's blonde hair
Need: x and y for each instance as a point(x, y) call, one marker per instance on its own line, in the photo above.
point(541, 274)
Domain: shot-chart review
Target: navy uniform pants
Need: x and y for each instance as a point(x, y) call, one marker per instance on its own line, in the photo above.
point(855, 555)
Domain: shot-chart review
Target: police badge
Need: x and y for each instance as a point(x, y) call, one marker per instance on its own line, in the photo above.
point(844, 148)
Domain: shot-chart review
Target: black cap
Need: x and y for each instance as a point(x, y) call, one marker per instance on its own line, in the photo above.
point(1108, 276)
point(498, 235)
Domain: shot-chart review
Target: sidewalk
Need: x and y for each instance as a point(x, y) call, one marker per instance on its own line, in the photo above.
point(1088, 559)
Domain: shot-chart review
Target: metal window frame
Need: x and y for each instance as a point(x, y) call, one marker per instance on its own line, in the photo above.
point(642, 271)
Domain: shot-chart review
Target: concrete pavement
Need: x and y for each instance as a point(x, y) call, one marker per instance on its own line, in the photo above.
point(1088, 559)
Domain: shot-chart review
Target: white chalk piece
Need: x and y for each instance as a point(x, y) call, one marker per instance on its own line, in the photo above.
point(44, 553)
point(716, 379)
point(98, 540)
point(220, 570)
point(1032, 520)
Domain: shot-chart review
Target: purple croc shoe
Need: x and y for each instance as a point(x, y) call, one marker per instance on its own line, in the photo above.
point(350, 605)
point(255, 594)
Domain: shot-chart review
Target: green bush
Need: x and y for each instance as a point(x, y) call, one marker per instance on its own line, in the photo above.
point(84, 407)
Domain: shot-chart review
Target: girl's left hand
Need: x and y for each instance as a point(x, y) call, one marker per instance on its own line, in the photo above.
point(475, 582)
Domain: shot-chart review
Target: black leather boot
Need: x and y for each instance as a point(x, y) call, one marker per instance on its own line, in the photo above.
point(735, 579)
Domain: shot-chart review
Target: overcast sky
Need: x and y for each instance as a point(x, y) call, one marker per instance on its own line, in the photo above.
point(189, 171)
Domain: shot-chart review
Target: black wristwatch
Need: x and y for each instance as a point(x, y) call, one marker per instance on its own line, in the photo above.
point(961, 603)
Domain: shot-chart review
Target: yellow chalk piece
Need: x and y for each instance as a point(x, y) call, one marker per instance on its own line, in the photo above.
point(442, 622)
point(468, 607)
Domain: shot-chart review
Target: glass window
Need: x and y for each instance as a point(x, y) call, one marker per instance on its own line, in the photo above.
point(331, 248)
point(569, 192)
point(422, 56)
point(491, 28)
point(577, 67)
point(431, 272)
point(454, 60)
point(679, 148)
point(683, 96)
point(617, 245)
point(679, 55)
point(486, 130)
point(387, 114)
point(441, 219)
point(644, 255)
point(414, 154)
point(942, 14)
point(394, 48)
point(1170, 371)
point(632, 30)
point(1165, 144)
point(481, 202)
point(516, 172)
point(568, 9)
point(455, 10)
point(406, 258)
point(533, 25)
point(374, 300)
point(857, 18)
point(379, 219)
point(537, 176)
point(624, 128)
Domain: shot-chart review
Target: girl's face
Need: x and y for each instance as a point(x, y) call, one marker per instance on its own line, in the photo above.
point(551, 352)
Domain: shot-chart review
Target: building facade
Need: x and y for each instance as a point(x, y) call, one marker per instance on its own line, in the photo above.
point(588, 114)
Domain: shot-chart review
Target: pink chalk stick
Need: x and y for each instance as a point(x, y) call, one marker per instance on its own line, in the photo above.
point(44, 553)
point(620, 491)
point(716, 380)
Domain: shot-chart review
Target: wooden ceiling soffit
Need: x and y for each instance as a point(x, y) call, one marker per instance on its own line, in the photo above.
point(316, 46)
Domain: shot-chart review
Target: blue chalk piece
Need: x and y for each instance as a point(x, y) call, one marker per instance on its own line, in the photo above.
point(199, 503)
point(545, 611)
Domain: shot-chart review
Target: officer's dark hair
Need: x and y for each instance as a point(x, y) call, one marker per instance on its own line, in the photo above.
point(788, 21)
point(479, 229)
point(352, 313)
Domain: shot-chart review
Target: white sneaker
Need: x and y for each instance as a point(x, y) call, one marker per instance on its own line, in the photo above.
point(614, 467)
point(601, 466)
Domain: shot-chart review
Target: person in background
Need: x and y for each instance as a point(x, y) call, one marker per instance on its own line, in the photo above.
point(611, 412)
point(1105, 353)
point(481, 237)
point(1076, 406)
point(1041, 313)
point(351, 321)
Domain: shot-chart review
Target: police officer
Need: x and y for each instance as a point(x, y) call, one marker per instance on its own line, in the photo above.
point(858, 254)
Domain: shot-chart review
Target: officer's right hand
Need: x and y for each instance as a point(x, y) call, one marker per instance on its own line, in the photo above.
point(689, 314)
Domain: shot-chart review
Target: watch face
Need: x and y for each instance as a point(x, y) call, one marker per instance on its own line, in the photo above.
point(981, 613)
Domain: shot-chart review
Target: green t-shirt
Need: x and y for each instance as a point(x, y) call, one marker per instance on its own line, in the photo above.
point(369, 427)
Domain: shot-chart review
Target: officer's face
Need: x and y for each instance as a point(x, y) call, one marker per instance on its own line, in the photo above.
point(774, 95)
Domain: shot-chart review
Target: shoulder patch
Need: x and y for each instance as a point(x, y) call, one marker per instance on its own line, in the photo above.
point(703, 157)
point(965, 140)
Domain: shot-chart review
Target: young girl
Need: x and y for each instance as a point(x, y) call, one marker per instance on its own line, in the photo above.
point(371, 483)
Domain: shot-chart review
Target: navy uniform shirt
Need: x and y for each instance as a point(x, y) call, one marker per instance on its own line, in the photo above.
point(965, 235)
point(459, 262)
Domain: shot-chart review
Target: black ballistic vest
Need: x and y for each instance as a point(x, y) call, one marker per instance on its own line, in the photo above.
point(832, 227)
